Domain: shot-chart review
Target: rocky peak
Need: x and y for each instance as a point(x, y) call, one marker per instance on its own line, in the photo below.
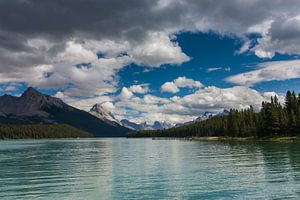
point(30, 103)
point(102, 113)
point(31, 92)
point(99, 108)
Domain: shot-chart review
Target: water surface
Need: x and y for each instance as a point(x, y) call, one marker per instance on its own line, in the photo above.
point(122, 168)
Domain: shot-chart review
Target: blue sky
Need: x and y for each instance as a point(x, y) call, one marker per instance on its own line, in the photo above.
point(147, 60)
point(208, 51)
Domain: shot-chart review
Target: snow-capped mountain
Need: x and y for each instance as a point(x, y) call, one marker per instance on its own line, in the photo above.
point(102, 113)
point(131, 125)
point(205, 116)
point(145, 126)
point(99, 111)
point(162, 125)
point(224, 113)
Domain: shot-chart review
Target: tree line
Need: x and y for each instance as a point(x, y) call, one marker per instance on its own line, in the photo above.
point(274, 119)
point(37, 131)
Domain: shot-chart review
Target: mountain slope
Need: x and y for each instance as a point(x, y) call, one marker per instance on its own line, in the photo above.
point(131, 125)
point(100, 112)
point(34, 107)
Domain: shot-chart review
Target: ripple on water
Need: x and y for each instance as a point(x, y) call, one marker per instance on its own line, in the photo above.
point(147, 169)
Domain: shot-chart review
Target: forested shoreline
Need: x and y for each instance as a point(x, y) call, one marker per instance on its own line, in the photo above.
point(39, 131)
point(273, 119)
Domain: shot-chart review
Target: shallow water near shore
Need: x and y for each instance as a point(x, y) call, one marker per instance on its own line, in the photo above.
point(120, 168)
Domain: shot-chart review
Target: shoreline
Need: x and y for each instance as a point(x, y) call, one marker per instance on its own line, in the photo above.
point(221, 138)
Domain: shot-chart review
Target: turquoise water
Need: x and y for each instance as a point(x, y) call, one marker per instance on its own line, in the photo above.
point(148, 169)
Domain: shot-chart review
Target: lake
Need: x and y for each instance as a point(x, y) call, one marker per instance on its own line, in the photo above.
point(120, 168)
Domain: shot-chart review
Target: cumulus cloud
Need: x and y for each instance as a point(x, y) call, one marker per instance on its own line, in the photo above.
point(9, 87)
point(158, 49)
point(178, 109)
point(180, 82)
point(283, 37)
point(187, 82)
point(141, 88)
point(268, 71)
point(125, 94)
point(83, 103)
point(169, 87)
point(108, 106)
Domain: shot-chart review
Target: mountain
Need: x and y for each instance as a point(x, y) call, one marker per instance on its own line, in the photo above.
point(204, 116)
point(33, 107)
point(165, 125)
point(100, 112)
point(162, 125)
point(145, 126)
point(224, 113)
point(105, 115)
point(131, 125)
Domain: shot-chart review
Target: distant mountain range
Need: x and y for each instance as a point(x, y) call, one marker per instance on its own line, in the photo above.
point(145, 126)
point(33, 107)
point(204, 116)
point(99, 111)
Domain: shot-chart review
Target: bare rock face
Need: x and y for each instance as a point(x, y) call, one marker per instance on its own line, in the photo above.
point(31, 103)
point(100, 112)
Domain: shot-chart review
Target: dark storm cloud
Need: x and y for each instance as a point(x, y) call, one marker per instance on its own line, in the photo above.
point(131, 19)
point(104, 18)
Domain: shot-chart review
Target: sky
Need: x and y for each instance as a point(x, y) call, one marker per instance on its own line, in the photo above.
point(148, 60)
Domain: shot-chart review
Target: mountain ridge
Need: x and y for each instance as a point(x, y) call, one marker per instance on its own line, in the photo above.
point(33, 107)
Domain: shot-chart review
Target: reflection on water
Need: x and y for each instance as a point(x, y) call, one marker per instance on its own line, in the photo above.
point(147, 169)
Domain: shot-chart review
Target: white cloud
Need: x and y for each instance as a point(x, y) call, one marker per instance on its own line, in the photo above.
point(158, 49)
point(83, 103)
point(179, 109)
point(227, 69)
point(108, 106)
point(141, 88)
point(268, 71)
point(125, 94)
point(283, 36)
point(9, 87)
point(169, 87)
point(60, 95)
point(212, 69)
point(180, 82)
point(75, 53)
point(216, 99)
